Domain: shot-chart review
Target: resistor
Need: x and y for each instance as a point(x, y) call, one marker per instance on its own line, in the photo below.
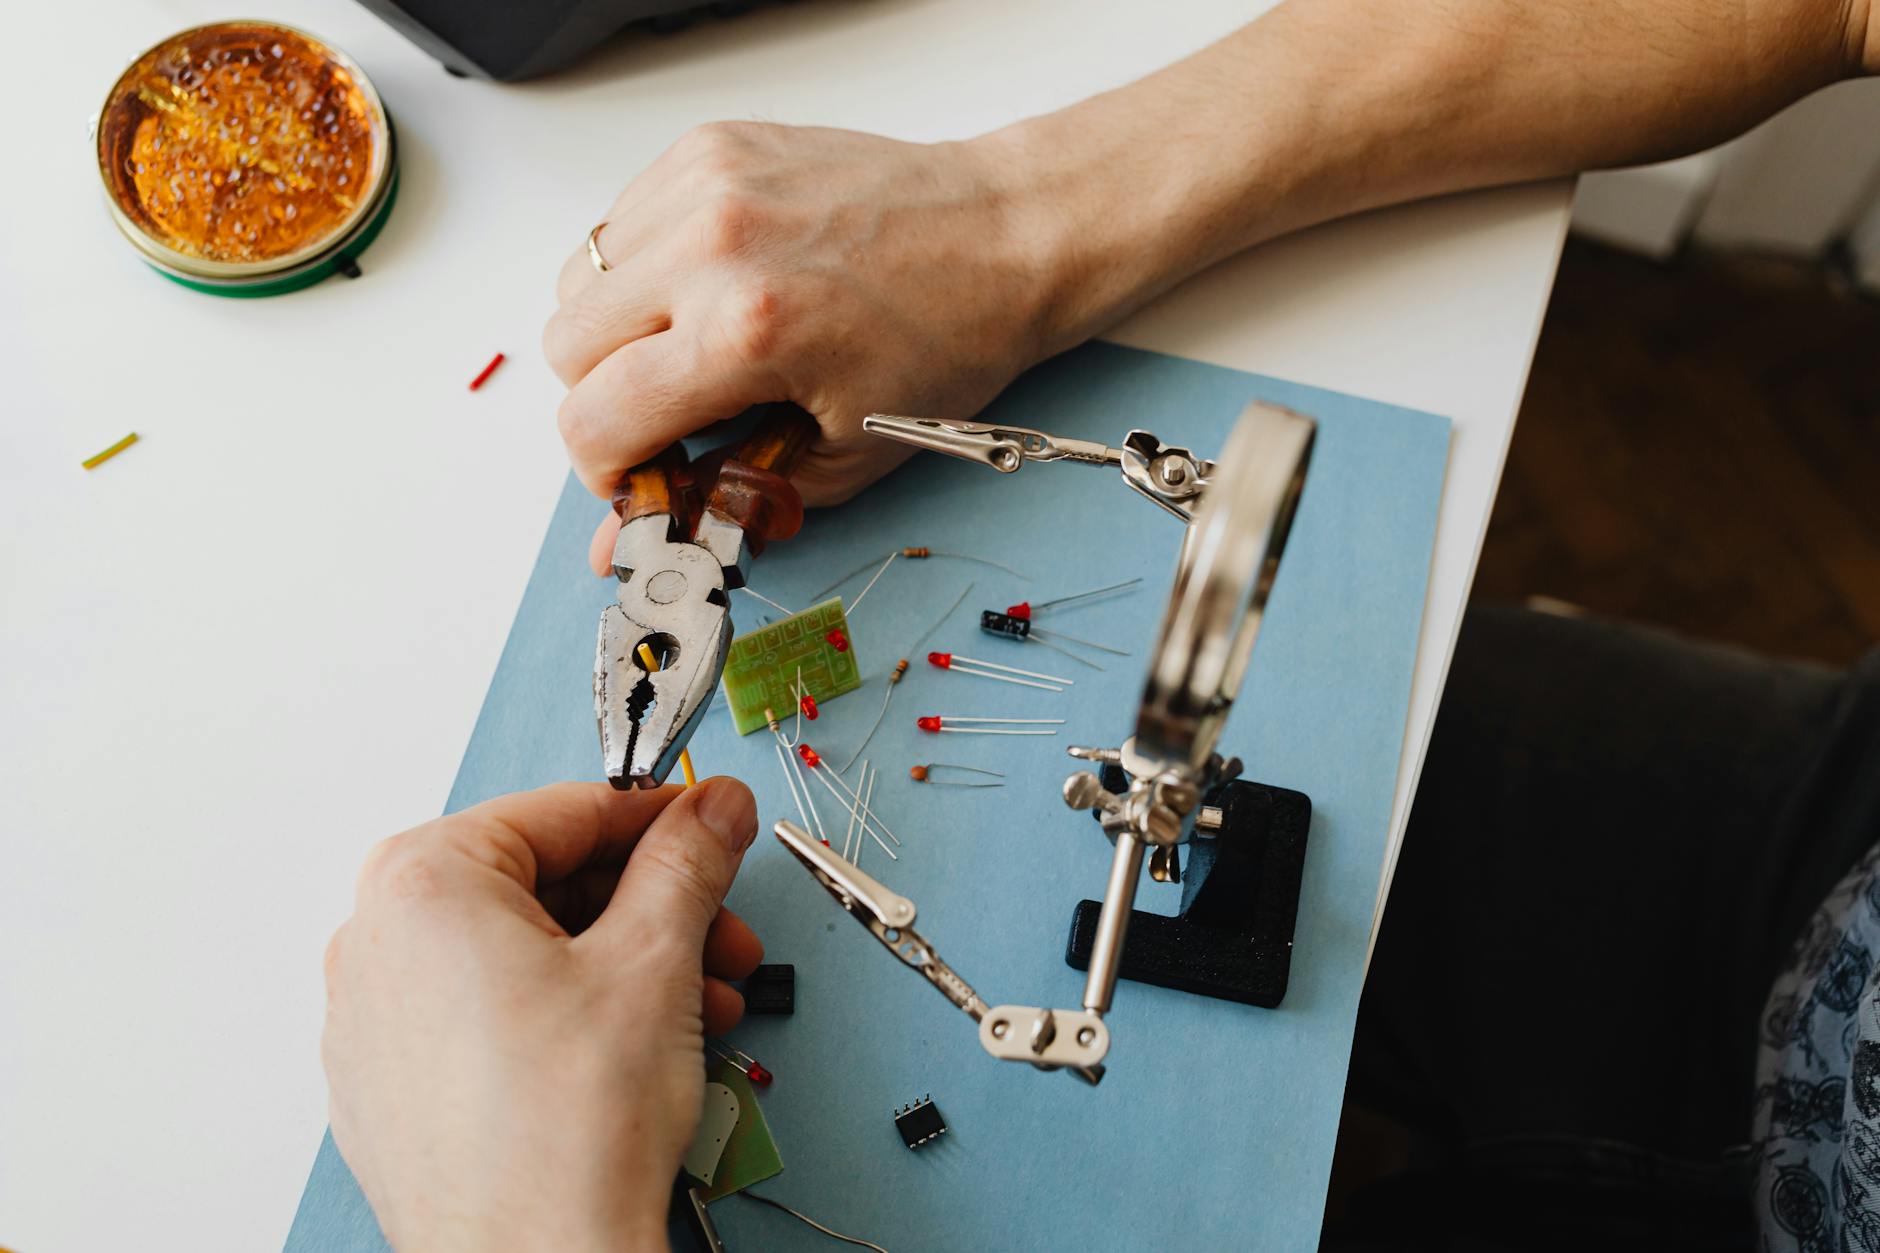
point(900, 668)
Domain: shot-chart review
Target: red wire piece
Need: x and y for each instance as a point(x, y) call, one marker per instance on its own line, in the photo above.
point(758, 1075)
point(928, 722)
point(943, 660)
point(808, 704)
point(838, 641)
point(1021, 610)
point(488, 370)
point(810, 756)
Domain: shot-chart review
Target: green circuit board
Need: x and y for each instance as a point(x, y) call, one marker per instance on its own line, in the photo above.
point(761, 670)
point(750, 1154)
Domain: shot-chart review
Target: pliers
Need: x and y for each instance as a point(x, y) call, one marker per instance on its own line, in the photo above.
point(677, 565)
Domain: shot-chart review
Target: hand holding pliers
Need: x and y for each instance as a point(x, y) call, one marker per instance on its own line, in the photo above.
point(677, 564)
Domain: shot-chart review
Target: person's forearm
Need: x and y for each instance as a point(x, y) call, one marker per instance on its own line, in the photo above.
point(1328, 107)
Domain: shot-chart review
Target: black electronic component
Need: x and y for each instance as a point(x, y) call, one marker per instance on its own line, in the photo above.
point(770, 990)
point(992, 622)
point(920, 1122)
point(505, 41)
point(1233, 938)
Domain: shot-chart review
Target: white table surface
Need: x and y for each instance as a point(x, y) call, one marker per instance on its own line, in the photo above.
point(257, 642)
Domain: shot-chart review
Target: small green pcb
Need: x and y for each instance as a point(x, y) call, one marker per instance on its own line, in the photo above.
point(761, 670)
point(750, 1154)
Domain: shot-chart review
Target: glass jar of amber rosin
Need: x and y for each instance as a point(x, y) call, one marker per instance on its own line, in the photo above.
point(246, 158)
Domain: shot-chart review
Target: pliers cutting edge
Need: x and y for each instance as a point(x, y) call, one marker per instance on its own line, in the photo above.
point(675, 579)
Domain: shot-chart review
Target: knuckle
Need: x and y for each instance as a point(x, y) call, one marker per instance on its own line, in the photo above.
point(753, 322)
point(715, 139)
point(401, 868)
point(571, 420)
point(729, 224)
point(378, 857)
point(556, 342)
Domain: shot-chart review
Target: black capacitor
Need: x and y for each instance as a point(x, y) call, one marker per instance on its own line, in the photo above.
point(992, 622)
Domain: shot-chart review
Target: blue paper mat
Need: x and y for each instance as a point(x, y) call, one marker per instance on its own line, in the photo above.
point(1215, 1125)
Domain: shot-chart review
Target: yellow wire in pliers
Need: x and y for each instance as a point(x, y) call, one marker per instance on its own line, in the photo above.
point(685, 754)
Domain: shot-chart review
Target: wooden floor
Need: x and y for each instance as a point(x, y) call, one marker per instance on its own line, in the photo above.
point(1699, 448)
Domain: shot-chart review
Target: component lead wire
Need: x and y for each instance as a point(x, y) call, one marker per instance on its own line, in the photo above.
point(867, 815)
point(987, 674)
point(831, 1232)
point(848, 836)
point(815, 814)
point(822, 778)
point(869, 586)
point(913, 552)
point(986, 731)
point(946, 718)
point(938, 622)
point(1095, 591)
point(1054, 633)
point(868, 801)
point(1032, 638)
point(789, 781)
point(993, 665)
point(900, 669)
point(750, 591)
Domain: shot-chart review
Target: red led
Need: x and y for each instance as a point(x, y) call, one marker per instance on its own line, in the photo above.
point(759, 1075)
point(838, 641)
point(1021, 610)
point(943, 660)
point(809, 755)
point(808, 704)
point(930, 722)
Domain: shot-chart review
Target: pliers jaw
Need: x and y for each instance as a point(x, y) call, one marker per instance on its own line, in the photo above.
point(676, 563)
point(672, 598)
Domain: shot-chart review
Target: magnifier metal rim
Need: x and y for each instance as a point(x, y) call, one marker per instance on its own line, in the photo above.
point(1229, 560)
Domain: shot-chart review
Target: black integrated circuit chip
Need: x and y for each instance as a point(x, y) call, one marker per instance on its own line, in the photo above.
point(920, 1122)
point(770, 990)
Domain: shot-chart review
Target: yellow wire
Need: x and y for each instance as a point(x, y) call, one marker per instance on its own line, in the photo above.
point(685, 754)
point(97, 459)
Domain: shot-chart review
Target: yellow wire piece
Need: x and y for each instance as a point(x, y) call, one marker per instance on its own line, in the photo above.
point(685, 754)
point(97, 459)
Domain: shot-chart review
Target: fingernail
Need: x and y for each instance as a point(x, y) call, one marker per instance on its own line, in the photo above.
point(729, 810)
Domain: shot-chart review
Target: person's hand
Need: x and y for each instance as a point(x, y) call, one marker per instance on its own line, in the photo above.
point(515, 1013)
point(848, 273)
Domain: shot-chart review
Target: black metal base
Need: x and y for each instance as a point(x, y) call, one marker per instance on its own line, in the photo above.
point(1233, 938)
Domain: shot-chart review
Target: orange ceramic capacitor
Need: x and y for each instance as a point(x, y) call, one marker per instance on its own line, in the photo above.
point(246, 158)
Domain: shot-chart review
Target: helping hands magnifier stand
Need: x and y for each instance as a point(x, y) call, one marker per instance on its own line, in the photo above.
point(1239, 509)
